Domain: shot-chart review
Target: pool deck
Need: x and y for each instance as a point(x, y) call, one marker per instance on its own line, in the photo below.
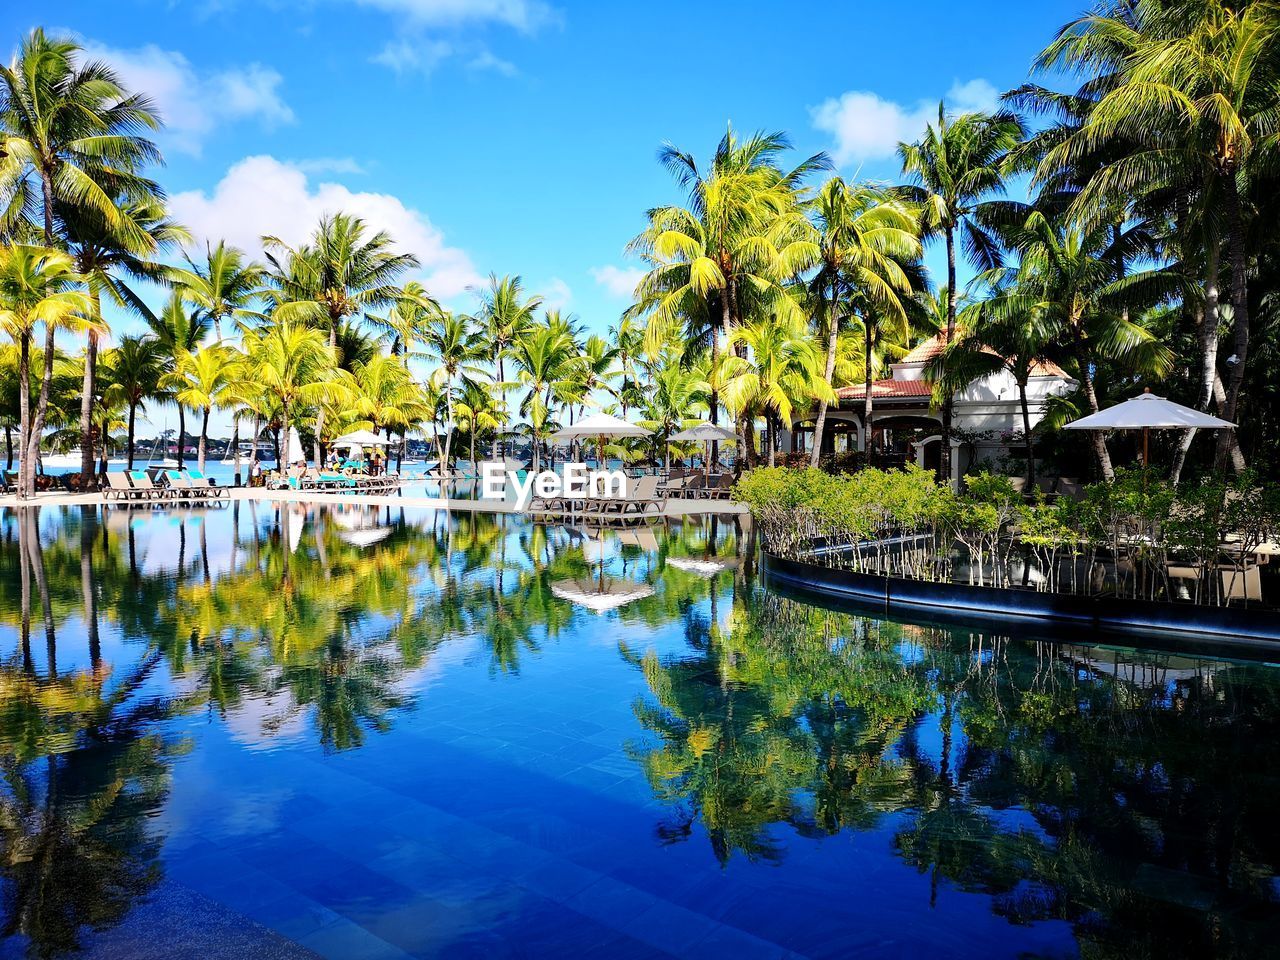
point(675, 507)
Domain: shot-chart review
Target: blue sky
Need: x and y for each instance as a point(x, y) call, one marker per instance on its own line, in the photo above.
point(518, 136)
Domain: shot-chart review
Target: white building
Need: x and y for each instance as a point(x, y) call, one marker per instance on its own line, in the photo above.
point(904, 425)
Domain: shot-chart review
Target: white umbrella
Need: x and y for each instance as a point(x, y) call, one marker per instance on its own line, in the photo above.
point(366, 537)
point(706, 433)
point(1148, 412)
point(600, 425)
point(293, 452)
point(703, 568)
point(363, 438)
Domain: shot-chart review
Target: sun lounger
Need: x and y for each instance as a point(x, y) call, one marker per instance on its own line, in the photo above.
point(119, 488)
point(642, 500)
point(197, 479)
point(183, 488)
point(141, 480)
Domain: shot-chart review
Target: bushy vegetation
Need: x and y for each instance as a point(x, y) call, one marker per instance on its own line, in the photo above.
point(1119, 537)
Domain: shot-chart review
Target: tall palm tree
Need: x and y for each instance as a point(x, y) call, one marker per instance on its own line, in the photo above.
point(180, 330)
point(544, 356)
point(864, 236)
point(291, 362)
point(457, 348)
point(223, 286)
point(37, 285)
point(202, 380)
point(108, 258)
point(386, 397)
point(505, 314)
point(71, 127)
point(957, 165)
point(340, 273)
point(475, 411)
point(1194, 93)
point(134, 369)
point(406, 323)
point(783, 367)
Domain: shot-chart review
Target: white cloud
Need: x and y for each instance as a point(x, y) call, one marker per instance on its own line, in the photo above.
point(524, 15)
point(619, 281)
point(263, 195)
point(194, 103)
point(422, 55)
point(315, 165)
point(867, 127)
point(485, 60)
point(556, 294)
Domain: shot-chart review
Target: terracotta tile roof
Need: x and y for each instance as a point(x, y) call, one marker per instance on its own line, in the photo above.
point(927, 350)
point(935, 344)
point(887, 388)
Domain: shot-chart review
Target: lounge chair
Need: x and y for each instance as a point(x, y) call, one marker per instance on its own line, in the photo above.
point(198, 479)
point(717, 487)
point(141, 480)
point(119, 488)
point(183, 488)
point(642, 501)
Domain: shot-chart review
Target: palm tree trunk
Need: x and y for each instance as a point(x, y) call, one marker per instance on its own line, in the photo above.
point(182, 430)
point(8, 447)
point(24, 410)
point(502, 400)
point(1095, 436)
point(133, 409)
point(944, 459)
point(868, 402)
point(833, 325)
point(86, 396)
point(204, 435)
point(88, 589)
point(1026, 435)
point(1238, 257)
point(42, 406)
point(1207, 322)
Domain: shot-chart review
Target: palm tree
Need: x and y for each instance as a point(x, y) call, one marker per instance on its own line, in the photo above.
point(406, 323)
point(457, 347)
point(203, 380)
point(385, 396)
point(222, 287)
point(36, 286)
point(505, 314)
point(998, 333)
point(1193, 95)
point(180, 330)
point(108, 258)
point(1065, 283)
point(783, 366)
point(956, 164)
point(544, 356)
point(864, 236)
point(475, 411)
point(725, 256)
point(72, 128)
point(341, 273)
point(134, 369)
point(291, 362)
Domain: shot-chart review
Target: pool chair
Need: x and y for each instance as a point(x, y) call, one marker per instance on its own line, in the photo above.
point(119, 488)
point(141, 480)
point(642, 501)
point(199, 480)
point(183, 488)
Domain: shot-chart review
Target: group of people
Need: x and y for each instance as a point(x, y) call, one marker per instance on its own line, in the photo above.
point(376, 464)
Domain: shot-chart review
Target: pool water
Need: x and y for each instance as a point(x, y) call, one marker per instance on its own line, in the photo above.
point(286, 730)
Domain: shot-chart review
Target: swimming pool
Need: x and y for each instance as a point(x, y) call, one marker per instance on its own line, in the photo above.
point(281, 729)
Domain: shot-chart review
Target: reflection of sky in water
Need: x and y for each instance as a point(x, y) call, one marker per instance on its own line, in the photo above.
point(385, 732)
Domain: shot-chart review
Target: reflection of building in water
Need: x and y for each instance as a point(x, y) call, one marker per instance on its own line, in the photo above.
point(1141, 670)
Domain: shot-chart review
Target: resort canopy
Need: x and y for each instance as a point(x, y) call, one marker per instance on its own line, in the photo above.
point(599, 425)
point(1148, 412)
point(360, 438)
point(707, 433)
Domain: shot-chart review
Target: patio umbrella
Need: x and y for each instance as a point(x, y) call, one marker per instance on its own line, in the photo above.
point(600, 425)
point(363, 438)
point(293, 452)
point(1147, 412)
point(707, 433)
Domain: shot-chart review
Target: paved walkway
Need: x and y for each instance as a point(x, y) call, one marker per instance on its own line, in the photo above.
point(675, 507)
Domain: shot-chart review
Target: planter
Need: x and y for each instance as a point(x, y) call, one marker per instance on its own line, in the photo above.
point(891, 594)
